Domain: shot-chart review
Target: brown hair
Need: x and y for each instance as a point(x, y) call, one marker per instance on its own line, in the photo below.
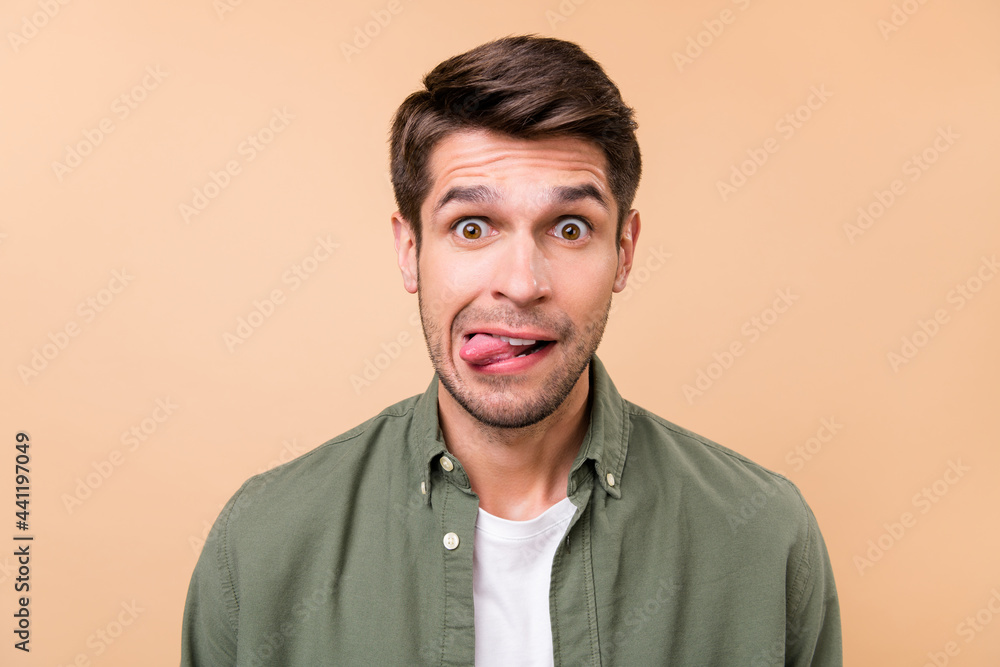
point(526, 87)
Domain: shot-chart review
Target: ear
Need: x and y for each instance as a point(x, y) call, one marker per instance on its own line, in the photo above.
point(406, 251)
point(630, 236)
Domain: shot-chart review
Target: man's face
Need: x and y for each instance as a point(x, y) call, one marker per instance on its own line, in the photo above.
point(518, 239)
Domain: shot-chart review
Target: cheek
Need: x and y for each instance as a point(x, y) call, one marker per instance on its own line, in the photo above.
point(584, 296)
point(595, 270)
point(446, 287)
point(453, 273)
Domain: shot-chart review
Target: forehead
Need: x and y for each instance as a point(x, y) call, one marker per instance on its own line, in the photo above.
point(472, 156)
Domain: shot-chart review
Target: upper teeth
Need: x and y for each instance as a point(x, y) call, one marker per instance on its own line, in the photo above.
point(516, 341)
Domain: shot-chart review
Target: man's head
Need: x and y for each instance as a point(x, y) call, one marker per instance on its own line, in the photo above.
point(506, 177)
point(526, 87)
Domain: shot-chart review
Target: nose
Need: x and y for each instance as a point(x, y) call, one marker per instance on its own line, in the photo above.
point(522, 272)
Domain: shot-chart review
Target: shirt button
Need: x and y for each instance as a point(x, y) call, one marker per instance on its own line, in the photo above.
point(611, 479)
point(451, 541)
point(447, 464)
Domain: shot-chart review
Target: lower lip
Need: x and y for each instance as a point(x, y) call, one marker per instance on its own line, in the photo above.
point(514, 364)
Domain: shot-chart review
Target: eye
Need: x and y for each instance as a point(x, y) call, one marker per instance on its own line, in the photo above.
point(572, 229)
point(471, 229)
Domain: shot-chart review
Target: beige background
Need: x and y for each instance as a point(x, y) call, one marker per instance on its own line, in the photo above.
point(890, 91)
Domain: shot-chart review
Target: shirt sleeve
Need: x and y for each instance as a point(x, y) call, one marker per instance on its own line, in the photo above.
point(209, 629)
point(812, 634)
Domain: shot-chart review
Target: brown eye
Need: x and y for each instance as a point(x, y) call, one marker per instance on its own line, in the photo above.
point(571, 229)
point(471, 230)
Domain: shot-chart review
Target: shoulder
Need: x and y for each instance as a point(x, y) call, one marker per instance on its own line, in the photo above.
point(711, 479)
point(279, 531)
point(327, 476)
point(344, 449)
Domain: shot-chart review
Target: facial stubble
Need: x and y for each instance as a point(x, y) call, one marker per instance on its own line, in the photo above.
point(498, 401)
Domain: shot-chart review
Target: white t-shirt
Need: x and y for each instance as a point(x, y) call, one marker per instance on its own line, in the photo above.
point(511, 570)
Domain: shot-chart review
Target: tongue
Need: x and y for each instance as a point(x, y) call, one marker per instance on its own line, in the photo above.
point(484, 349)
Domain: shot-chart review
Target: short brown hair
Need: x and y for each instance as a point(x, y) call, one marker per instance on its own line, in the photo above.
point(526, 87)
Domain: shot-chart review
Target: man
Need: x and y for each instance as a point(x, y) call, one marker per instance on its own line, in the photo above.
point(519, 512)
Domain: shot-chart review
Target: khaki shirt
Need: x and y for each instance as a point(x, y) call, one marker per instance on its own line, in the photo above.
point(681, 552)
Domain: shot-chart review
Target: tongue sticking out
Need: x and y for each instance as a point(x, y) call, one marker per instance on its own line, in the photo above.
point(484, 349)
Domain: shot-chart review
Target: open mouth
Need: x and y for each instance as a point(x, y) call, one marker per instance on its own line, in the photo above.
point(534, 348)
point(485, 348)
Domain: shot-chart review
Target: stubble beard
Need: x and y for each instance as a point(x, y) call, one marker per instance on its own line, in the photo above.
point(498, 401)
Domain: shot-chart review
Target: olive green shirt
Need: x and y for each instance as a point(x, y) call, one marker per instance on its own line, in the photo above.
point(681, 552)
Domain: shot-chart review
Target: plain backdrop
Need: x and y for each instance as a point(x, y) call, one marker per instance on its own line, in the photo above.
point(199, 280)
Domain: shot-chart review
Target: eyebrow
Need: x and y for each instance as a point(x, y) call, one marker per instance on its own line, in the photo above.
point(484, 194)
point(475, 194)
point(570, 193)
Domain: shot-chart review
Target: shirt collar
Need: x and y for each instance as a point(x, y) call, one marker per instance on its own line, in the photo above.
point(605, 443)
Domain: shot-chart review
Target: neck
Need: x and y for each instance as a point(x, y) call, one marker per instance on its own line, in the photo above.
point(518, 473)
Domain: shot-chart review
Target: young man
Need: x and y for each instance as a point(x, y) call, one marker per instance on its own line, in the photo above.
point(519, 512)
